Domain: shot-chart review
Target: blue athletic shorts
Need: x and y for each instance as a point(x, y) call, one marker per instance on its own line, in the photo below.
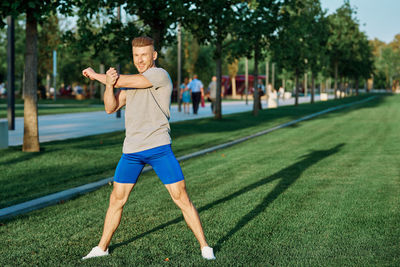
point(161, 158)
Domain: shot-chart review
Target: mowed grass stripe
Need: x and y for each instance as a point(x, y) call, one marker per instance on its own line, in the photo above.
point(313, 194)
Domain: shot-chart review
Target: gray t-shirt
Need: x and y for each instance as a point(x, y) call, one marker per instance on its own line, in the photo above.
point(147, 113)
point(212, 87)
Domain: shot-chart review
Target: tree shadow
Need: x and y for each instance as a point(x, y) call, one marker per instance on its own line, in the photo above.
point(287, 177)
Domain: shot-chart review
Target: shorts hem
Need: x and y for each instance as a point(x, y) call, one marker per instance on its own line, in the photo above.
point(174, 181)
point(123, 182)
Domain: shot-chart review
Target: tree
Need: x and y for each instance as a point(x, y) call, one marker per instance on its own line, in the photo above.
point(211, 21)
point(19, 53)
point(342, 28)
point(160, 17)
point(253, 33)
point(360, 64)
point(190, 53)
point(386, 62)
point(154, 18)
point(48, 40)
point(318, 40)
point(294, 46)
point(233, 70)
point(35, 11)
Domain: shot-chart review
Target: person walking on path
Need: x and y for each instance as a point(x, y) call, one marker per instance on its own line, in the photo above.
point(147, 140)
point(196, 86)
point(212, 92)
point(185, 96)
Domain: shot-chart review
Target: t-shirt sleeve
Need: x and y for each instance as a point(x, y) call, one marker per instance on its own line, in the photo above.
point(158, 77)
point(189, 85)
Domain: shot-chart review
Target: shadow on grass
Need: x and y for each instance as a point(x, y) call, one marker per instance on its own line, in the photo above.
point(287, 177)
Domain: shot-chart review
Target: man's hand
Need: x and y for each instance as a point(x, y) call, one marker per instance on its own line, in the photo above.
point(89, 72)
point(111, 76)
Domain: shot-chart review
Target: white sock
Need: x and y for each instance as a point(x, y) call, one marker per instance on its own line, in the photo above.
point(207, 253)
point(96, 252)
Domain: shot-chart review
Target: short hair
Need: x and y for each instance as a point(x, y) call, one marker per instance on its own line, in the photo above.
point(142, 41)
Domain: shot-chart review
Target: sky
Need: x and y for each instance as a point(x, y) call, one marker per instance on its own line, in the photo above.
point(378, 18)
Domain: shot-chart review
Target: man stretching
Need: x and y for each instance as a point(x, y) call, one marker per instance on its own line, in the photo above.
point(147, 140)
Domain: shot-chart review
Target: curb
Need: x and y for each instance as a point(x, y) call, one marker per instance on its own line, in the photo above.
point(61, 196)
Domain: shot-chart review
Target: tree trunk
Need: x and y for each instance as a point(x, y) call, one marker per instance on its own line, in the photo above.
point(256, 95)
point(357, 85)
point(340, 87)
point(336, 76)
point(102, 86)
point(312, 87)
point(48, 84)
point(156, 36)
point(296, 100)
point(31, 131)
point(218, 113)
point(91, 89)
point(267, 92)
point(305, 82)
point(233, 82)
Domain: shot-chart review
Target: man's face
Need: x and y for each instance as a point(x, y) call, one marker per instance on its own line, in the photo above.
point(143, 57)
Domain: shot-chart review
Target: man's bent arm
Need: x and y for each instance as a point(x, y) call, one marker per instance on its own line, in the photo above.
point(112, 102)
point(129, 81)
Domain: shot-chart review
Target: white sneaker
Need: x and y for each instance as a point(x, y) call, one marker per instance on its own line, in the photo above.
point(96, 252)
point(207, 253)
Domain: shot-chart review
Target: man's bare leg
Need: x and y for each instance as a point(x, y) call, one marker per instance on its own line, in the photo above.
point(182, 200)
point(118, 198)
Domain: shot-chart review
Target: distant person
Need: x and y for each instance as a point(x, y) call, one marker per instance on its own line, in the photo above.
point(261, 92)
point(78, 89)
point(269, 89)
point(212, 92)
point(147, 140)
point(281, 92)
point(52, 92)
point(3, 90)
point(185, 96)
point(196, 86)
point(42, 91)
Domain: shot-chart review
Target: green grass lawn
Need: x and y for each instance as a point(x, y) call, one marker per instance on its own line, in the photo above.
point(65, 164)
point(323, 193)
point(48, 106)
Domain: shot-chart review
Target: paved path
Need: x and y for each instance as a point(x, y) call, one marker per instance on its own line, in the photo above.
point(72, 125)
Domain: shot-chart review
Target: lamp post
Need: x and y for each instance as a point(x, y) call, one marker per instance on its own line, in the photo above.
point(246, 77)
point(119, 65)
point(178, 82)
point(55, 74)
point(10, 74)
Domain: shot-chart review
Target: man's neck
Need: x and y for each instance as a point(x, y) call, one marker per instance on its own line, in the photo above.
point(152, 66)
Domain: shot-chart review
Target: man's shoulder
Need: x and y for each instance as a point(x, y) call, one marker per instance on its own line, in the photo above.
point(156, 70)
point(157, 73)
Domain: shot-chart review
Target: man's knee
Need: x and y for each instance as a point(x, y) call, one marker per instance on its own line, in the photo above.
point(118, 199)
point(179, 195)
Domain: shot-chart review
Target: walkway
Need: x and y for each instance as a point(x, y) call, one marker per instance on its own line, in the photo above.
point(72, 125)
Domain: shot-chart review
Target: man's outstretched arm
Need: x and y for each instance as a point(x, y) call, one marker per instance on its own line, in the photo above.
point(129, 81)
